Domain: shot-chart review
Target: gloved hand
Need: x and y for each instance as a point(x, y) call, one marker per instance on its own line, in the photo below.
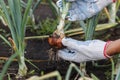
point(81, 51)
point(83, 9)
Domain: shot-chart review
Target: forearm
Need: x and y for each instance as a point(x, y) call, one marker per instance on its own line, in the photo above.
point(113, 48)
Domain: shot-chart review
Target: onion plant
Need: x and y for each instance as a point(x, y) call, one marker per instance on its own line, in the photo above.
point(16, 20)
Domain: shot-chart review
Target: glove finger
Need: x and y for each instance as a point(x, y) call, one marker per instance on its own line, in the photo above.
point(73, 13)
point(80, 9)
point(69, 55)
point(87, 8)
point(72, 43)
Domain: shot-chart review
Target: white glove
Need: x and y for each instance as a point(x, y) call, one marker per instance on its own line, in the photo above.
point(83, 9)
point(81, 51)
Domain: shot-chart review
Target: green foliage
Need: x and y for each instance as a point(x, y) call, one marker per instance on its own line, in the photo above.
point(16, 21)
point(5, 40)
point(6, 66)
point(47, 26)
point(4, 34)
point(118, 75)
point(54, 8)
point(2, 17)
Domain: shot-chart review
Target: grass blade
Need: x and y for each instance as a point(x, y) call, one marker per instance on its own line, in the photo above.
point(6, 41)
point(6, 66)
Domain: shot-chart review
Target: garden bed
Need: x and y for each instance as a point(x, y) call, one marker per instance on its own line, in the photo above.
point(37, 51)
point(39, 56)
